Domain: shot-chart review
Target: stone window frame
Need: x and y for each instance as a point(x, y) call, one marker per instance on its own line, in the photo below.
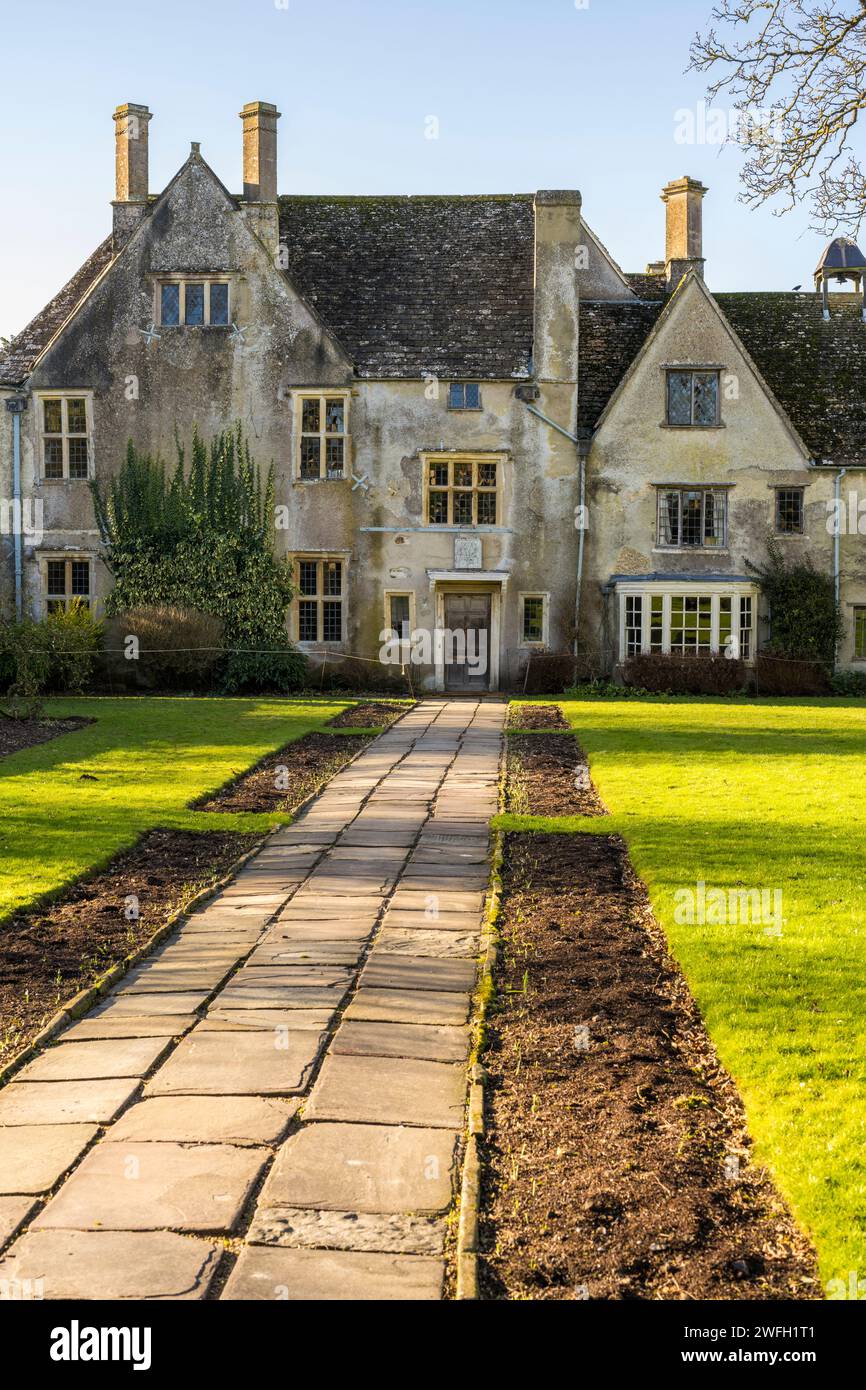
point(322, 395)
point(523, 640)
point(320, 598)
point(182, 280)
point(859, 632)
point(52, 602)
point(718, 492)
point(387, 596)
point(777, 492)
point(656, 625)
point(434, 457)
point(693, 370)
point(40, 397)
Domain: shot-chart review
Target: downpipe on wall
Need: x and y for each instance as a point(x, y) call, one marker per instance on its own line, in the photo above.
point(837, 550)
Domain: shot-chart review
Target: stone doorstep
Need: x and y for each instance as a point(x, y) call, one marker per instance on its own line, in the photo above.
point(84, 1265)
point(34, 1157)
point(94, 1060)
point(423, 1041)
point(242, 1064)
point(65, 1102)
point(384, 1090)
point(156, 1186)
point(244, 1120)
point(264, 1272)
point(343, 1230)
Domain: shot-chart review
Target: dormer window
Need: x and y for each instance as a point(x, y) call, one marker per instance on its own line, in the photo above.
point(464, 395)
point(194, 303)
point(693, 399)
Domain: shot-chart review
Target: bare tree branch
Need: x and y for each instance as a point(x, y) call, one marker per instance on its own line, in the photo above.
point(795, 72)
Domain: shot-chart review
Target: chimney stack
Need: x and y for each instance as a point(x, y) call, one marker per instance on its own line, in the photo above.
point(684, 243)
point(260, 171)
point(131, 169)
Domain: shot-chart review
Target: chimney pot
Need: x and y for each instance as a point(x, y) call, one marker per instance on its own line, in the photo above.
point(260, 151)
point(684, 241)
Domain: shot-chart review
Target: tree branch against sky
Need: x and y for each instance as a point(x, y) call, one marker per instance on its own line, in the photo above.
point(795, 70)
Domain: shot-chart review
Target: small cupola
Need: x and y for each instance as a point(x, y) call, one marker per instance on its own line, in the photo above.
point(841, 261)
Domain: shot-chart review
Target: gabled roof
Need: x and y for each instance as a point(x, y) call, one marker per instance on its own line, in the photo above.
point(17, 361)
point(412, 285)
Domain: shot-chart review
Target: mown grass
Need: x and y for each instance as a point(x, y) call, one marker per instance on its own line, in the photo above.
point(760, 795)
point(68, 806)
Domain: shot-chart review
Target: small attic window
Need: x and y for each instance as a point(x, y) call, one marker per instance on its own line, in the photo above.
point(693, 399)
point(194, 303)
point(464, 395)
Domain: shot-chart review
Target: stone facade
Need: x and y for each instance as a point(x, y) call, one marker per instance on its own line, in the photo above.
point(383, 305)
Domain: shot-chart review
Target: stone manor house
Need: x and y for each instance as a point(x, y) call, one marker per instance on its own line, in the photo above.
point(478, 421)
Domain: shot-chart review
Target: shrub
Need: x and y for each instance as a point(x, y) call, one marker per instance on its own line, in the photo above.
point(804, 615)
point(780, 675)
point(352, 674)
point(685, 675)
point(177, 648)
point(203, 540)
point(600, 689)
point(850, 683)
point(74, 638)
point(549, 673)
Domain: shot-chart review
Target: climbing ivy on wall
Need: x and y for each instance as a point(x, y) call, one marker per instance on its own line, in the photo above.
point(805, 622)
point(202, 538)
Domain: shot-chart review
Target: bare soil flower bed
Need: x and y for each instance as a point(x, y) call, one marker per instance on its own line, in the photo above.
point(616, 1158)
point(52, 952)
point(284, 779)
point(378, 714)
point(16, 734)
point(547, 775)
point(536, 717)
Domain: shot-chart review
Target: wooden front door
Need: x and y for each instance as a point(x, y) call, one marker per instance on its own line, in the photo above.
point(468, 614)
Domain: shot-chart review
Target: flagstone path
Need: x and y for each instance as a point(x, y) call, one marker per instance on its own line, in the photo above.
point(286, 1076)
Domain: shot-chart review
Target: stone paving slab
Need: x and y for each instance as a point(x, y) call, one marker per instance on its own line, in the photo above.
point(128, 1026)
point(263, 1272)
point(364, 1168)
point(425, 1041)
point(405, 942)
point(384, 971)
point(345, 1230)
point(169, 978)
point(65, 1102)
point(272, 994)
point(14, 1211)
point(90, 1061)
point(246, 1120)
point(388, 1091)
point(269, 1020)
point(170, 1004)
point(441, 921)
point(239, 1064)
point(156, 1186)
point(34, 1157)
point(108, 1265)
point(413, 900)
point(409, 1006)
point(282, 951)
point(273, 972)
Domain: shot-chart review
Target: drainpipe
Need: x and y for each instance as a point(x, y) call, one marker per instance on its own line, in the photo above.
point(582, 450)
point(16, 405)
point(837, 549)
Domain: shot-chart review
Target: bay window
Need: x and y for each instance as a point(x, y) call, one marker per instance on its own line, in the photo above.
point(665, 619)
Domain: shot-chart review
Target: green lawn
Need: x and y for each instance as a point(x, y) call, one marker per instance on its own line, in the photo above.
point(771, 796)
point(150, 757)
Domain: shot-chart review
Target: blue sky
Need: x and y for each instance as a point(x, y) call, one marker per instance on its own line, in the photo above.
point(528, 94)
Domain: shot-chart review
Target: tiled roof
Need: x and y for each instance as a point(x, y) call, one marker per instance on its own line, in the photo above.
point(411, 285)
point(815, 366)
point(611, 336)
point(17, 361)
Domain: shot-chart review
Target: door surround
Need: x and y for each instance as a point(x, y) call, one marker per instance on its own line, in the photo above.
point(470, 582)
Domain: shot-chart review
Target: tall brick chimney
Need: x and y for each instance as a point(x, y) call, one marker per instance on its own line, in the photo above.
point(684, 242)
point(260, 170)
point(131, 169)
